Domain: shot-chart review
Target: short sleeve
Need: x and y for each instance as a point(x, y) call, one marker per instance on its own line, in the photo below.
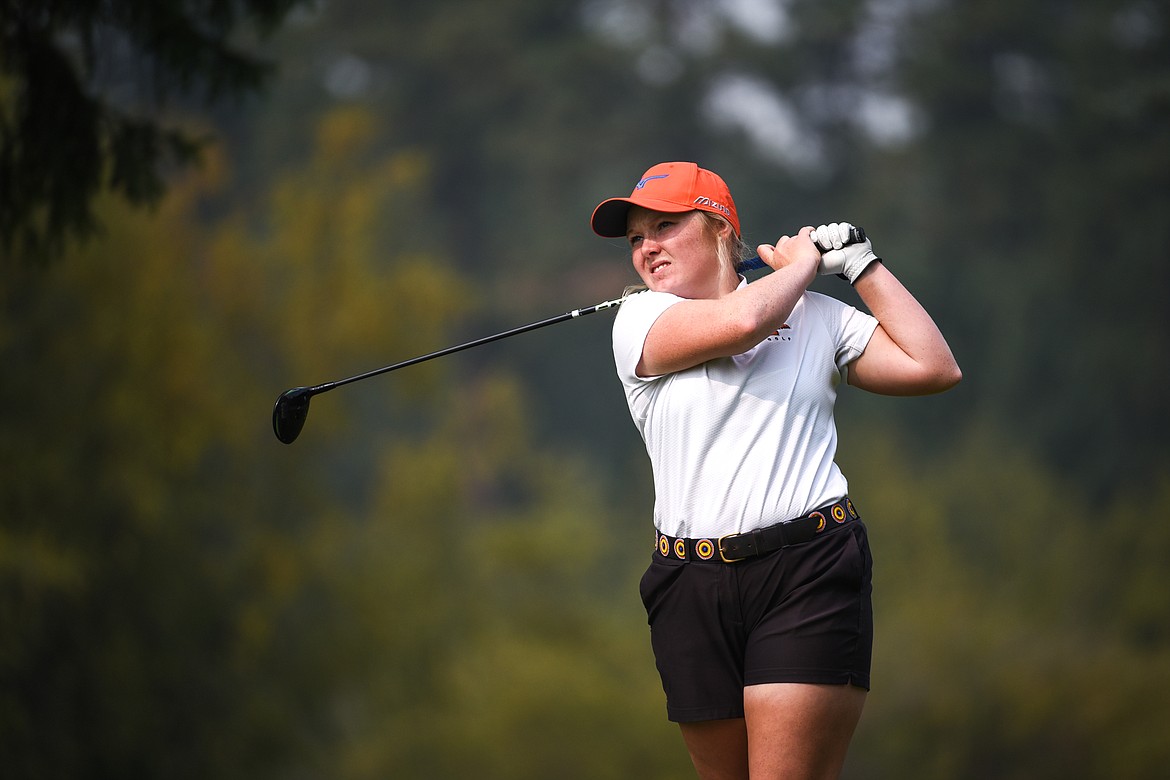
point(630, 328)
point(849, 327)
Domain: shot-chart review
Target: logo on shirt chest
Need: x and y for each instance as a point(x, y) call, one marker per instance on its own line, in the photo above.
point(784, 333)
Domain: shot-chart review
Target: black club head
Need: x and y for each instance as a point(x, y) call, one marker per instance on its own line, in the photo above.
point(288, 416)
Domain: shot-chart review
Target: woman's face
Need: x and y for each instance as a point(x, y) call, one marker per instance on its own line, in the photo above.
point(677, 253)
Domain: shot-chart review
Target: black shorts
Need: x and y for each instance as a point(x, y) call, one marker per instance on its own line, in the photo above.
point(801, 614)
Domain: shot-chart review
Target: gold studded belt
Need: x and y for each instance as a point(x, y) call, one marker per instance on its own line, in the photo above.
point(741, 547)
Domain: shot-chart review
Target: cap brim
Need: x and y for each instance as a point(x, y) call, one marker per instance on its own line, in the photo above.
point(609, 218)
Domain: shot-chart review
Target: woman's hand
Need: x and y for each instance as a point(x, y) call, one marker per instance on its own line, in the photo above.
point(798, 250)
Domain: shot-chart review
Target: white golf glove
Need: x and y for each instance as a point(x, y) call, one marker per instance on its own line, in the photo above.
point(841, 257)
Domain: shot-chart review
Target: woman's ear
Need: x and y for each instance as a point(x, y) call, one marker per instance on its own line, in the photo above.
point(723, 230)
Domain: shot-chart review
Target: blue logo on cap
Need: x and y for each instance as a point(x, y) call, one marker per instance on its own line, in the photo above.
point(642, 183)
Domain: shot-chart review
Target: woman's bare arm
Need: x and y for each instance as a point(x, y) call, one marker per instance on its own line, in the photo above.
point(907, 354)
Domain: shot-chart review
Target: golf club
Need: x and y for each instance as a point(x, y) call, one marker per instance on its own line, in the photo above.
point(292, 406)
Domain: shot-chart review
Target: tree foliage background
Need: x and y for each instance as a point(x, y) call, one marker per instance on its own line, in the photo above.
point(439, 578)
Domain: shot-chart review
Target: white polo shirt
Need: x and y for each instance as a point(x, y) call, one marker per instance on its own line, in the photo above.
point(742, 442)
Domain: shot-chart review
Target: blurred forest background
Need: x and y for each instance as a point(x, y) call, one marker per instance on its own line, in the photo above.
point(438, 580)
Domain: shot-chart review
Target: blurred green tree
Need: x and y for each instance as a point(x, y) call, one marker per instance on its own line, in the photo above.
point(159, 603)
point(1031, 205)
point(83, 89)
point(1016, 635)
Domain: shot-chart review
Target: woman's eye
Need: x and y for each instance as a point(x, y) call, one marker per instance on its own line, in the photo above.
point(635, 240)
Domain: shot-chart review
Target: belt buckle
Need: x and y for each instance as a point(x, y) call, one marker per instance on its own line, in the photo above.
point(723, 556)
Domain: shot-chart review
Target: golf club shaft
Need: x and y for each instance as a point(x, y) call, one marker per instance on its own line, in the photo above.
point(569, 315)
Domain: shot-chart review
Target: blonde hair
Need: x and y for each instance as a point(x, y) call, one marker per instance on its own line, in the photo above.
point(731, 250)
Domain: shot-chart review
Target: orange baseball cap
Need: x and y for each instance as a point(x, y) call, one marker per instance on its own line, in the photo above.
point(672, 187)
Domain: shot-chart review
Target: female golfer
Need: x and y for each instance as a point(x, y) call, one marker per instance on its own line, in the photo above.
point(758, 592)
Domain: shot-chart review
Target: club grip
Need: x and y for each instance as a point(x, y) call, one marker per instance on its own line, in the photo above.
point(856, 236)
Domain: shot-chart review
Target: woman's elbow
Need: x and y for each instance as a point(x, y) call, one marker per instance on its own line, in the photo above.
point(746, 331)
point(946, 377)
point(928, 379)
